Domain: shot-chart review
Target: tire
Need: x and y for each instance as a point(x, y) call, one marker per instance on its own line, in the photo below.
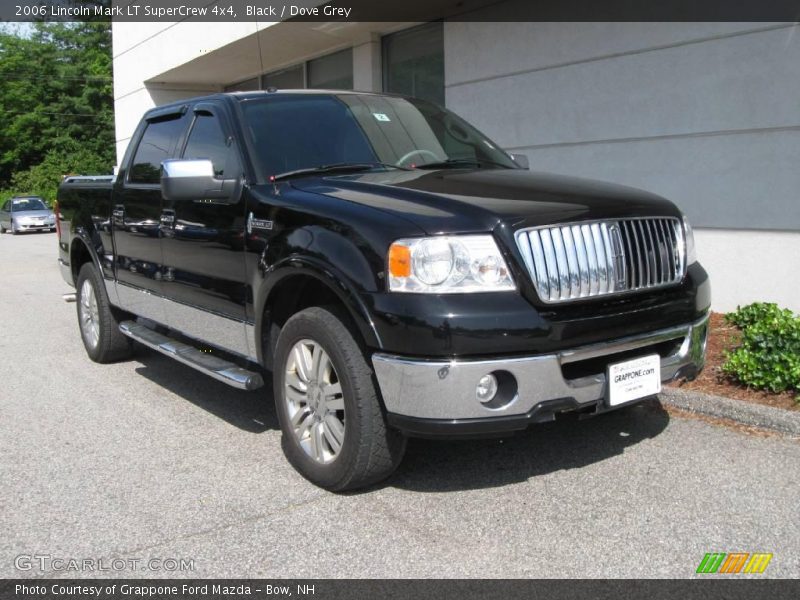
point(13, 229)
point(2, 229)
point(368, 450)
point(98, 322)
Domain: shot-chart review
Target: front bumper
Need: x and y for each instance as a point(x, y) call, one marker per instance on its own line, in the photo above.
point(437, 397)
point(35, 226)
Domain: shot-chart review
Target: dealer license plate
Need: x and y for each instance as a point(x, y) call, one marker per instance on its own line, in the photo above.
point(634, 379)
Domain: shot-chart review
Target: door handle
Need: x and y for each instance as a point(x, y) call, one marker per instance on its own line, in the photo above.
point(168, 218)
point(118, 215)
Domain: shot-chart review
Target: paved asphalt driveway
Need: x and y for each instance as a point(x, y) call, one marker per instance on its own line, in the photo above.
point(147, 459)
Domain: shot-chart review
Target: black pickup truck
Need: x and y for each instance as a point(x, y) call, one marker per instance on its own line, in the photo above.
point(397, 272)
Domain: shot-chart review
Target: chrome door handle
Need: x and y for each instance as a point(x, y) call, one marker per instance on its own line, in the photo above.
point(168, 218)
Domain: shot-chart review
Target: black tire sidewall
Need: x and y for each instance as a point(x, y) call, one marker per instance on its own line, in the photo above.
point(112, 345)
point(309, 325)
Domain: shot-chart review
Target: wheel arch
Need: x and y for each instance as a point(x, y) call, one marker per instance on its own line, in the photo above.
point(81, 252)
point(302, 284)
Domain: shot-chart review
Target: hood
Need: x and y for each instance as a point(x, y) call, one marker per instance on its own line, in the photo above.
point(33, 213)
point(469, 200)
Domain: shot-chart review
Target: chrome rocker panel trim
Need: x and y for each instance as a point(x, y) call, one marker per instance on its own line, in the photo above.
point(445, 390)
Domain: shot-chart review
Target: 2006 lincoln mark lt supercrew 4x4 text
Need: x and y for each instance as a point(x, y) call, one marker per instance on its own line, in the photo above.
point(396, 270)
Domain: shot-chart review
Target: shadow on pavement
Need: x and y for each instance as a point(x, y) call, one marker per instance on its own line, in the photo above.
point(440, 466)
point(249, 411)
point(437, 465)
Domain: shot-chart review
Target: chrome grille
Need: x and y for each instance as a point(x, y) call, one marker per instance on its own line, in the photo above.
point(584, 260)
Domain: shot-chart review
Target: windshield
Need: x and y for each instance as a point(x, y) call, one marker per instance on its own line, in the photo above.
point(22, 204)
point(300, 131)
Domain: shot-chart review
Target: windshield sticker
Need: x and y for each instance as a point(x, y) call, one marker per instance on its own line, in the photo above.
point(381, 117)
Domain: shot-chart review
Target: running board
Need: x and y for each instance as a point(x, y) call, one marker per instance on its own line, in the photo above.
point(214, 366)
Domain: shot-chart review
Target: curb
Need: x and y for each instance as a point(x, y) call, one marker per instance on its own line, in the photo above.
point(746, 413)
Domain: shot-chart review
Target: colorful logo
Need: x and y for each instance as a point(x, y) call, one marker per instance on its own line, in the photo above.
point(734, 562)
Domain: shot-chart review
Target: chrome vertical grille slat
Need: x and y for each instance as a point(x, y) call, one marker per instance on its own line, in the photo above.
point(610, 266)
point(645, 257)
point(598, 258)
point(561, 263)
point(673, 266)
point(602, 266)
point(583, 261)
point(662, 249)
point(594, 287)
point(550, 264)
point(572, 262)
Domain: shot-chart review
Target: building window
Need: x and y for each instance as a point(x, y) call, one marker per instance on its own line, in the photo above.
point(334, 71)
point(413, 62)
point(248, 85)
point(293, 78)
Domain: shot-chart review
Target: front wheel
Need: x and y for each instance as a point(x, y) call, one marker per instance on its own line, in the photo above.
point(334, 431)
point(98, 322)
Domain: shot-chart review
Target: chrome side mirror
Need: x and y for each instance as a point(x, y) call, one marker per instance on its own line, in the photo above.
point(194, 179)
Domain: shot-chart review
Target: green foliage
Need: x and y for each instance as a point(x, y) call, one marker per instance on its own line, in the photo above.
point(745, 316)
point(57, 106)
point(768, 357)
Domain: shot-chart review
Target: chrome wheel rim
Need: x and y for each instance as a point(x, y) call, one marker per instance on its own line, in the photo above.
point(89, 314)
point(312, 394)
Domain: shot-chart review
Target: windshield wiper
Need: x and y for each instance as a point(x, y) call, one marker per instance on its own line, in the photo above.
point(460, 162)
point(335, 168)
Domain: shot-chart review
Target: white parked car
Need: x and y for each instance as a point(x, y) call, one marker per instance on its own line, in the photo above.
point(26, 213)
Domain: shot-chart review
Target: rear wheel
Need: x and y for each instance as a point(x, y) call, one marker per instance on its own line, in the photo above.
point(334, 431)
point(2, 229)
point(98, 321)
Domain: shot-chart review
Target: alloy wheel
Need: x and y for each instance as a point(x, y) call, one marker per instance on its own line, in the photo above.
point(314, 401)
point(89, 314)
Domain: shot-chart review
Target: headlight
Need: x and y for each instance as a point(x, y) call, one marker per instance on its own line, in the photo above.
point(691, 251)
point(448, 265)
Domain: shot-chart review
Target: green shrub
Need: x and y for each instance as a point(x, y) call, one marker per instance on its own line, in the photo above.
point(768, 357)
point(745, 316)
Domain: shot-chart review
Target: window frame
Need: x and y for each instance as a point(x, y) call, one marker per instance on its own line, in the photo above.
point(156, 116)
point(216, 111)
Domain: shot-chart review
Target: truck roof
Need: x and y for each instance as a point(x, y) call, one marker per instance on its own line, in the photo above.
point(251, 95)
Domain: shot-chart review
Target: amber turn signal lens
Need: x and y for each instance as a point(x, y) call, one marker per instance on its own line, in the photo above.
point(399, 261)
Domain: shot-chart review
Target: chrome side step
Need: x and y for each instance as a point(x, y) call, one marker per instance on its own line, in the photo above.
point(214, 366)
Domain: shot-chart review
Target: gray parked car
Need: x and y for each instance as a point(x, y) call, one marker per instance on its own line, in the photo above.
point(26, 213)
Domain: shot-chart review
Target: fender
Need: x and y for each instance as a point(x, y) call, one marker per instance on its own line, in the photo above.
point(329, 276)
point(92, 242)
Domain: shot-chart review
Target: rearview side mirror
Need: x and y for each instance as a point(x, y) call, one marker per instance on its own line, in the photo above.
point(194, 179)
point(521, 160)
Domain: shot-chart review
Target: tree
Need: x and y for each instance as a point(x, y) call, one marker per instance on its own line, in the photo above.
point(56, 100)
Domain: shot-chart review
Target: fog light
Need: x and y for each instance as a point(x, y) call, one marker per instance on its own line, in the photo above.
point(487, 388)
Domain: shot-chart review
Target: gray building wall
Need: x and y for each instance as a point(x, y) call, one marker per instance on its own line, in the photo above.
point(706, 114)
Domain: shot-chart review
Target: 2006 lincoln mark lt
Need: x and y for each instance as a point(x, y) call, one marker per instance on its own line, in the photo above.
point(397, 271)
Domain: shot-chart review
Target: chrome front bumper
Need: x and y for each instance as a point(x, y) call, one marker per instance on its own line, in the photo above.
point(445, 390)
